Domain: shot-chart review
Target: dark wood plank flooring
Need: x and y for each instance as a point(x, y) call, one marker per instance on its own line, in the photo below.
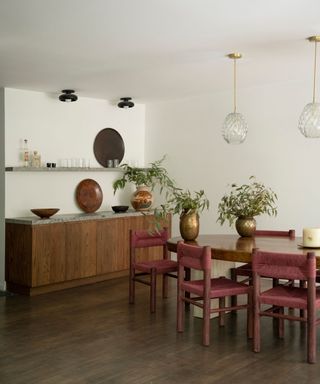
point(92, 335)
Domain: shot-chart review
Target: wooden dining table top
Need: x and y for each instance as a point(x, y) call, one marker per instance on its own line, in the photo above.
point(239, 249)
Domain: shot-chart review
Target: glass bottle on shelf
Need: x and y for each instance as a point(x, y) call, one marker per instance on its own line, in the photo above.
point(25, 153)
point(36, 160)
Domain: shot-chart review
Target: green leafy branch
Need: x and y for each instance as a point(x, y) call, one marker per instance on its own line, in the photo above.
point(154, 175)
point(247, 200)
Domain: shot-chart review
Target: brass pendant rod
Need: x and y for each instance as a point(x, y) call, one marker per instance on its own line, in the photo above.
point(316, 39)
point(315, 71)
point(235, 56)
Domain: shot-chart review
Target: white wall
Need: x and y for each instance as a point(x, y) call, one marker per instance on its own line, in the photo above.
point(189, 131)
point(63, 131)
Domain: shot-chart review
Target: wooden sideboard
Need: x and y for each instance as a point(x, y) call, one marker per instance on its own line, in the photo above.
point(48, 257)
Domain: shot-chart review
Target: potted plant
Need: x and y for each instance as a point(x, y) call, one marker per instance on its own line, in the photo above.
point(244, 202)
point(188, 206)
point(145, 180)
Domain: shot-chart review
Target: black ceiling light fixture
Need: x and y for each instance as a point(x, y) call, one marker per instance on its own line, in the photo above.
point(68, 95)
point(125, 102)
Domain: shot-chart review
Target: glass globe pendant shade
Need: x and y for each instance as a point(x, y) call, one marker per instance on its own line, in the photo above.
point(309, 122)
point(235, 128)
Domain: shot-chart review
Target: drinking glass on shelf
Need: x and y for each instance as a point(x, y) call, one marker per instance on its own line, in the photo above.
point(74, 162)
point(84, 163)
point(63, 163)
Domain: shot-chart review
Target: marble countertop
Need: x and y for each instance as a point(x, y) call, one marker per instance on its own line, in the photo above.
point(63, 218)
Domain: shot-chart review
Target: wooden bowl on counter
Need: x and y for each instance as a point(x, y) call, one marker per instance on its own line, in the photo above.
point(44, 213)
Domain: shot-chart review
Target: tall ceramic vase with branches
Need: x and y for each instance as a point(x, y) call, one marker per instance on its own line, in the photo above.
point(145, 180)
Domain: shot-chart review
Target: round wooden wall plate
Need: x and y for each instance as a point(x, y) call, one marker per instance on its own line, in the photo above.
point(108, 145)
point(89, 195)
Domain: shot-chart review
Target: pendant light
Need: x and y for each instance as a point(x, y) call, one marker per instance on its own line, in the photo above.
point(68, 95)
point(235, 128)
point(309, 123)
point(125, 102)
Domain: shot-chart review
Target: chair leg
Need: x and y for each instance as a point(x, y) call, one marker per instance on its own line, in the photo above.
point(131, 286)
point(180, 311)
point(153, 290)
point(187, 277)
point(281, 324)
point(164, 286)
point(250, 316)
point(303, 313)
point(312, 336)
point(256, 327)
point(291, 310)
point(275, 282)
point(222, 304)
point(233, 275)
point(276, 321)
point(206, 322)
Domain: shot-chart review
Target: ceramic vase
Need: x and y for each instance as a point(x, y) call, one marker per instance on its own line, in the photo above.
point(142, 198)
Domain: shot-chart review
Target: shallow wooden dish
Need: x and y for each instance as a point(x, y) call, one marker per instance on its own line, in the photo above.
point(44, 213)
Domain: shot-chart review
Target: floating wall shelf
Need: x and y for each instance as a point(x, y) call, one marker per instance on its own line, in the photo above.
point(62, 169)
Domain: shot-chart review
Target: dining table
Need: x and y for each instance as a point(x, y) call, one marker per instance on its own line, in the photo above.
point(239, 249)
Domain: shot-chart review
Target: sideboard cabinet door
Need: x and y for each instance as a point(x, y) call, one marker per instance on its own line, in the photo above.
point(112, 245)
point(81, 245)
point(48, 254)
point(19, 254)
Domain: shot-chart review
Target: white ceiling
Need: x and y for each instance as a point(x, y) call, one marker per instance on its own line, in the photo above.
point(154, 49)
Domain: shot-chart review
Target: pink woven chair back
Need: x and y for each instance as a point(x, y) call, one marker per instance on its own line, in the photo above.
point(291, 233)
point(194, 257)
point(145, 239)
point(284, 265)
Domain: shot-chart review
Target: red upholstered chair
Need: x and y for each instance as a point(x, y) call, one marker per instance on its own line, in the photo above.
point(246, 269)
point(280, 297)
point(164, 266)
point(200, 292)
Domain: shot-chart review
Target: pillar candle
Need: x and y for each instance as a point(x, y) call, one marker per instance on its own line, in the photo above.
point(311, 237)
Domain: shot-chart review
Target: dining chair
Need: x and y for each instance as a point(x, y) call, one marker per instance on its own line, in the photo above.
point(200, 292)
point(150, 268)
point(283, 297)
point(245, 270)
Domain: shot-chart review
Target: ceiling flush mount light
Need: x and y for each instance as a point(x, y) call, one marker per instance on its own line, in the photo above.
point(309, 123)
point(68, 95)
point(235, 128)
point(125, 102)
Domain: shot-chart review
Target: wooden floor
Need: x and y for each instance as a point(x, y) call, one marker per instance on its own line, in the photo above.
point(92, 335)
